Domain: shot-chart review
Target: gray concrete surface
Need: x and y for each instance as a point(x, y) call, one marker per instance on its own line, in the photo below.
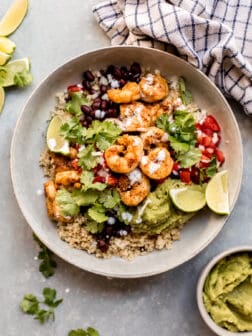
point(163, 305)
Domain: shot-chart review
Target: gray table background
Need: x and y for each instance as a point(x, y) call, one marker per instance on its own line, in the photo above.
point(163, 305)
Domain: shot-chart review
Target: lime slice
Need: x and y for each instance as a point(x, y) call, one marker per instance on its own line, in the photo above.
point(2, 97)
point(8, 72)
point(6, 45)
point(4, 58)
point(55, 142)
point(188, 198)
point(13, 17)
point(217, 193)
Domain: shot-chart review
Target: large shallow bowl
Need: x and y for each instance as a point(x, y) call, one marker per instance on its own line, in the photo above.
point(29, 140)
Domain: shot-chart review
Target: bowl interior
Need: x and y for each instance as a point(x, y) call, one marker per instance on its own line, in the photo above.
point(204, 314)
point(29, 138)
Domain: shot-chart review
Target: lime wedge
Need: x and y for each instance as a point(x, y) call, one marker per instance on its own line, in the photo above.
point(55, 142)
point(8, 72)
point(188, 198)
point(2, 97)
point(4, 58)
point(6, 45)
point(13, 17)
point(217, 193)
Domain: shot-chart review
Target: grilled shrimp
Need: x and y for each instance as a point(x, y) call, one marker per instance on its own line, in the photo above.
point(53, 208)
point(157, 164)
point(153, 88)
point(136, 116)
point(67, 177)
point(125, 155)
point(133, 187)
point(127, 94)
point(154, 137)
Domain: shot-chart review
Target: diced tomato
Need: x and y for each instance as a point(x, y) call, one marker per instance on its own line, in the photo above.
point(97, 168)
point(219, 156)
point(112, 180)
point(208, 131)
point(175, 166)
point(185, 175)
point(207, 153)
point(210, 123)
point(195, 175)
point(74, 164)
point(161, 180)
point(207, 141)
point(99, 179)
point(74, 88)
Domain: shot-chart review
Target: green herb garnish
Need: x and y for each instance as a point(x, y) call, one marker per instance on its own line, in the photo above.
point(73, 131)
point(31, 305)
point(47, 264)
point(74, 105)
point(185, 94)
point(80, 332)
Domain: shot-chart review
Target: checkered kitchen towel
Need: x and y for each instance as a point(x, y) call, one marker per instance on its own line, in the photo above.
point(212, 35)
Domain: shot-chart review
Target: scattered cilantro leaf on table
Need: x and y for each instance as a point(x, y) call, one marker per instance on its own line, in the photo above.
point(31, 305)
point(80, 332)
point(47, 264)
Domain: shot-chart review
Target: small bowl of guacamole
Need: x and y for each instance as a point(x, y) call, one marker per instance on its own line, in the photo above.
point(224, 292)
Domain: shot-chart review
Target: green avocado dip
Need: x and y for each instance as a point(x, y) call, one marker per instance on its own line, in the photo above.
point(227, 293)
point(157, 213)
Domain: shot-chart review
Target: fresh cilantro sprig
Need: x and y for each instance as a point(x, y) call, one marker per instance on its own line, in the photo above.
point(184, 93)
point(87, 159)
point(73, 106)
point(182, 137)
point(32, 306)
point(73, 131)
point(48, 264)
point(87, 178)
point(80, 332)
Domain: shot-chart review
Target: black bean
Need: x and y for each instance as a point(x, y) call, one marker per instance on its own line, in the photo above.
point(88, 76)
point(86, 109)
point(111, 113)
point(124, 73)
point(110, 69)
point(89, 119)
point(135, 69)
point(117, 73)
point(86, 85)
point(102, 245)
point(84, 123)
point(122, 82)
point(103, 72)
point(103, 89)
point(104, 105)
point(135, 78)
point(96, 105)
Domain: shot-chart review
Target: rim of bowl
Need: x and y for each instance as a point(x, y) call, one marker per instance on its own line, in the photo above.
point(206, 270)
point(60, 253)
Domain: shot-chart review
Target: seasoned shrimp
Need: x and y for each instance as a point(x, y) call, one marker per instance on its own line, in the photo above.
point(157, 164)
point(127, 94)
point(67, 177)
point(133, 187)
point(154, 137)
point(153, 88)
point(136, 116)
point(125, 155)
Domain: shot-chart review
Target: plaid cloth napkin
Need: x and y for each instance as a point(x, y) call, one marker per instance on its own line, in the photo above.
point(215, 36)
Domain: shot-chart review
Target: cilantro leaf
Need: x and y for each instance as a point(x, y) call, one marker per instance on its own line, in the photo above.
point(84, 198)
point(29, 304)
point(185, 94)
point(87, 178)
point(47, 264)
point(97, 213)
point(22, 78)
point(94, 227)
point(109, 198)
point(86, 158)
point(80, 332)
point(67, 203)
point(50, 296)
point(74, 105)
point(102, 133)
point(189, 158)
point(163, 122)
point(211, 170)
point(73, 131)
point(44, 315)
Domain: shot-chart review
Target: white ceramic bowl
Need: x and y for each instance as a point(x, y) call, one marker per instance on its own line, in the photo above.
point(29, 140)
point(204, 314)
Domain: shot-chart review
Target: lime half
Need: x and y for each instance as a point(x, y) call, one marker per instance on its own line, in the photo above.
point(2, 97)
point(13, 17)
point(55, 142)
point(8, 72)
point(217, 193)
point(4, 58)
point(6, 45)
point(188, 198)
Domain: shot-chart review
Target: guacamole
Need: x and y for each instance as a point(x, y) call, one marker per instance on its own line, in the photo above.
point(157, 212)
point(227, 293)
